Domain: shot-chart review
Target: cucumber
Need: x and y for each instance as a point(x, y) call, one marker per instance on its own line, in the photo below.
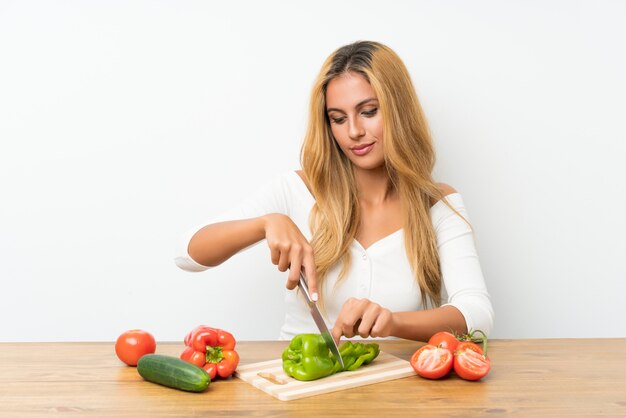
point(173, 372)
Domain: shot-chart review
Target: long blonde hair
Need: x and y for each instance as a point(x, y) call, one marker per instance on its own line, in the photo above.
point(409, 159)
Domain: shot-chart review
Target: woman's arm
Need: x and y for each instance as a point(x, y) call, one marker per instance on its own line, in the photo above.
point(421, 325)
point(289, 248)
point(368, 319)
point(216, 243)
point(264, 215)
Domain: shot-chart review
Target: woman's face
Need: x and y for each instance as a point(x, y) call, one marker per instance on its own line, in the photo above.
point(355, 119)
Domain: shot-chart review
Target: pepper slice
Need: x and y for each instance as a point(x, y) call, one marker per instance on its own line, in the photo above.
point(213, 349)
point(355, 355)
point(308, 358)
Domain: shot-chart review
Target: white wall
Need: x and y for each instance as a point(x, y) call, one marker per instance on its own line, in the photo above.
point(123, 123)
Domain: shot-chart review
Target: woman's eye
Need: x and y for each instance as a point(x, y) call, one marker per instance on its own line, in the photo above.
point(338, 121)
point(369, 113)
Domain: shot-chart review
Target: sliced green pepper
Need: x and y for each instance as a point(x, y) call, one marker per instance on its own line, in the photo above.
point(308, 358)
point(355, 355)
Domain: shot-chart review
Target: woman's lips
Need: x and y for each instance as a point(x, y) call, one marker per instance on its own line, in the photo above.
point(362, 149)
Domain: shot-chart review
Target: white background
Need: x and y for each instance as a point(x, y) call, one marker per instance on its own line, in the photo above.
point(123, 123)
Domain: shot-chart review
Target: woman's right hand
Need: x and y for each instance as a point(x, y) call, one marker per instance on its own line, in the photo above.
point(290, 250)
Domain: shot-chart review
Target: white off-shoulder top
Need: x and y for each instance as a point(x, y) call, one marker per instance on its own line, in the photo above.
point(380, 273)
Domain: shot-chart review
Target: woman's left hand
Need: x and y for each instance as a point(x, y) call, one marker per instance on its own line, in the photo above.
point(364, 318)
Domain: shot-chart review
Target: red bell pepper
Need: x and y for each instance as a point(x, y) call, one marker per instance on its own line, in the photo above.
point(212, 349)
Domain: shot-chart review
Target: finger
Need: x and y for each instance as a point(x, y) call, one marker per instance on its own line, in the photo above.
point(310, 272)
point(294, 274)
point(336, 333)
point(382, 324)
point(348, 330)
point(338, 328)
point(283, 262)
point(275, 255)
point(350, 313)
point(350, 325)
point(356, 327)
point(368, 319)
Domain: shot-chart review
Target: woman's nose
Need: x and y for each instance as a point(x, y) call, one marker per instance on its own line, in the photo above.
point(356, 129)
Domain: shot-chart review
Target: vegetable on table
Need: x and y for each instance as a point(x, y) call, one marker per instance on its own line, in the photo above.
point(133, 344)
point(432, 362)
point(445, 352)
point(308, 357)
point(173, 372)
point(212, 349)
point(355, 355)
point(444, 339)
point(470, 363)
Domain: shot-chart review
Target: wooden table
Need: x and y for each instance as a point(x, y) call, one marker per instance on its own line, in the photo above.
point(530, 378)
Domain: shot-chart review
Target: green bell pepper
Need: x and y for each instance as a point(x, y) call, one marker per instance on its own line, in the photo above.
point(308, 358)
point(355, 355)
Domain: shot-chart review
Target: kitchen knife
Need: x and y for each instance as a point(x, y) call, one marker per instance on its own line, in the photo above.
point(319, 320)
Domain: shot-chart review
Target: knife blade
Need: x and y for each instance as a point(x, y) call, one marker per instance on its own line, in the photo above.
point(319, 320)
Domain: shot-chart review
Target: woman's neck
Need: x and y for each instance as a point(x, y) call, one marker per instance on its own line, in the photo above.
point(374, 186)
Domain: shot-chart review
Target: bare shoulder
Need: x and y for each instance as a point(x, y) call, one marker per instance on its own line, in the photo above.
point(304, 179)
point(445, 189)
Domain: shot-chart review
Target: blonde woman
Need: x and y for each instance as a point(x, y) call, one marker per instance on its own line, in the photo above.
point(388, 252)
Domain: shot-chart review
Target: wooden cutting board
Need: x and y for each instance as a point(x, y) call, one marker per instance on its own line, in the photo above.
point(270, 377)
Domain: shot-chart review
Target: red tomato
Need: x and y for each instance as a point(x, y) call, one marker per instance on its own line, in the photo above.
point(432, 362)
point(468, 345)
point(133, 344)
point(444, 339)
point(469, 362)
